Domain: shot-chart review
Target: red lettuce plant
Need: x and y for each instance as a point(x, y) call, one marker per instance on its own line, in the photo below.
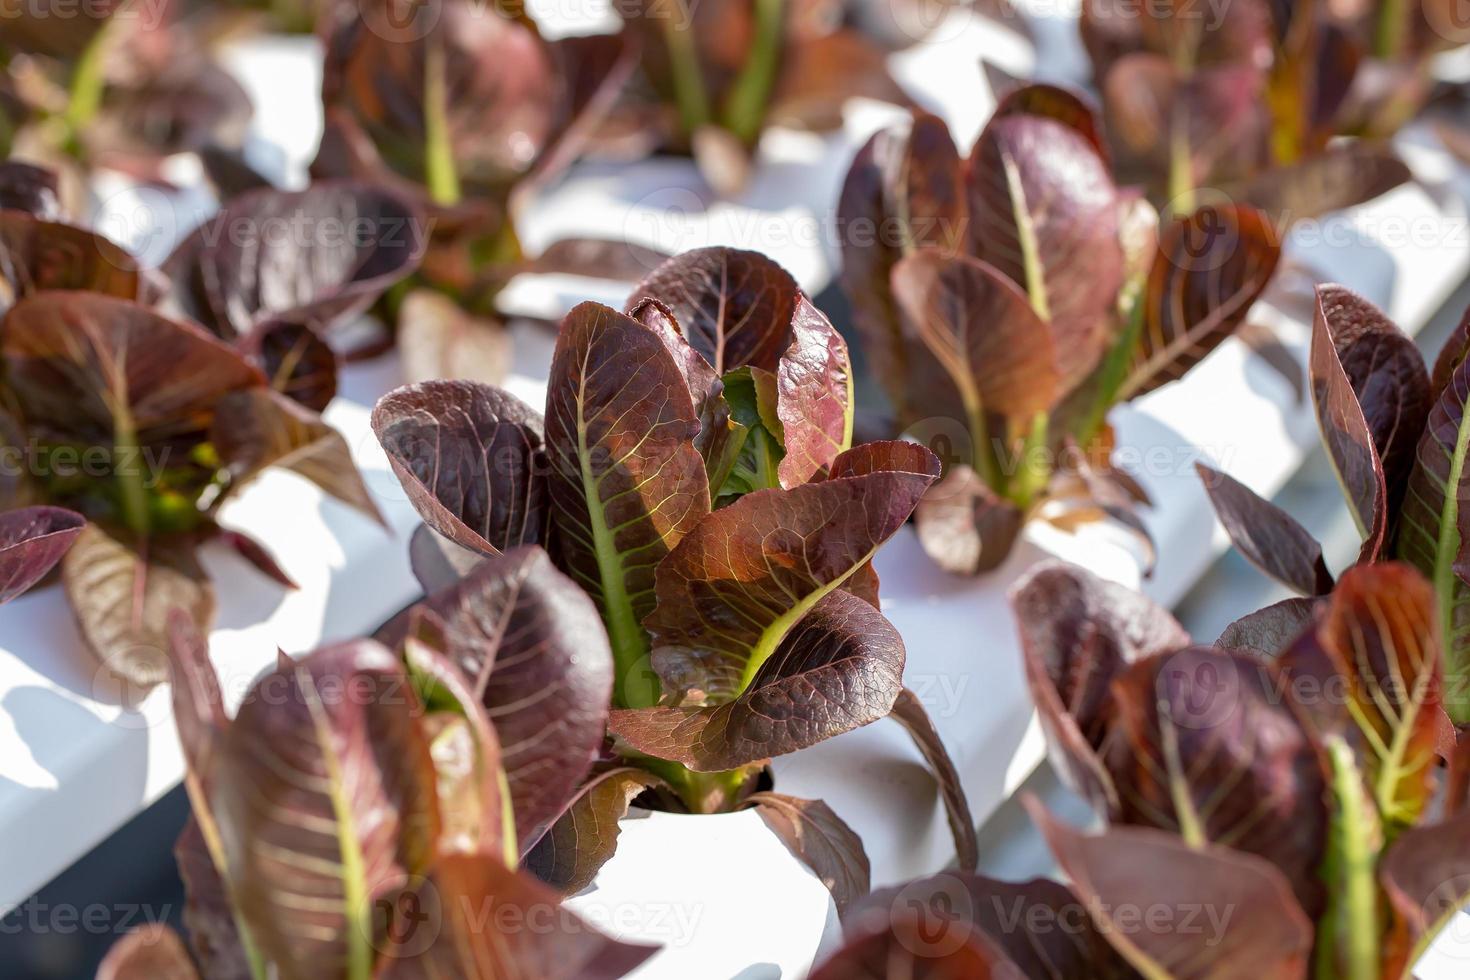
point(280, 274)
point(464, 109)
point(715, 75)
point(1286, 800)
point(1008, 300)
point(693, 473)
point(359, 816)
point(1396, 435)
point(112, 85)
point(144, 423)
point(1245, 98)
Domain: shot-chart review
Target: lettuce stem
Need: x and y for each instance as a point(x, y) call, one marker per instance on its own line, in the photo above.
point(439, 168)
point(984, 449)
point(1352, 921)
point(87, 84)
point(1388, 40)
point(1032, 469)
point(132, 494)
point(745, 108)
point(1181, 165)
point(701, 792)
point(209, 831)
point(689, 93)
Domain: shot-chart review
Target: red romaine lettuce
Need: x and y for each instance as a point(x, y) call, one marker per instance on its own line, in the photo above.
point(109, 87)
point(359, 812)
point(464, 110)
point(1247, 99)
point(145, 424)
point(1295, 785)
point(693, 474)
point(1008, 300)
point(1396, 437)
point(714, 75)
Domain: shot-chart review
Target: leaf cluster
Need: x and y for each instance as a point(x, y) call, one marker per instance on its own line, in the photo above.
point(1008, 299)
point(1266, 815)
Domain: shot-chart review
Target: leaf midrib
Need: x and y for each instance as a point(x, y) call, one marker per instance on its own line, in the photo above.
point(772, 636)
point(354, 877)
point(629, 643)
point(1446, 583)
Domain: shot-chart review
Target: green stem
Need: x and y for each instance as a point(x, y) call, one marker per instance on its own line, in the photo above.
point(1447, 584)
point(635, 685)
point(1026, 237)
point(87, 85)
point(701, 792)
point(132, 493)
point(689, 91)
point(1191, 826)
point(745, 108)
point(1353, 910)
point(1181, 165)
point(439, 168)
point(1033, 473)
point(510, 847)
point(1388, 39)
point(772, 636)
point(1114, 370)
point(984, 449)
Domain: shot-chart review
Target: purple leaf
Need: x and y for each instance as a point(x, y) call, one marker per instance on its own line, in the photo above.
point(470, 458)
point(1188, 724)
point(1209, 268)
point(839, 667)
point(32, 541)
point(741, 580)
point(317, 257)
point(123, 591)
point(735, 308)
point(821, 840)
point(1267, 936)
point(626, 482)
point(966, 527)
point(535, 654)
point(442, 932)
point(1044, 213)
point(1350, 442)
point(1078, 633)
point(325, 799)
point(1266, 535)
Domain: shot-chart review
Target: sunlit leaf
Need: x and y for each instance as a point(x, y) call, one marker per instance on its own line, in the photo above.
point(626, 482)
point(743, 579)
point(470, 458)
point(123, 591)
point(838, 667)
point(1210, 267)
point(326, 798)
